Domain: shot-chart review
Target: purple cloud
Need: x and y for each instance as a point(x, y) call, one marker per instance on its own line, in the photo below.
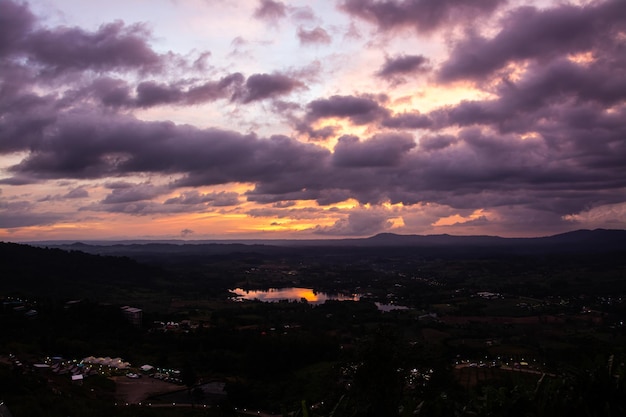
point(395, 68)
point(79, 192)
point(270, 10)
point(112, 46)
point(423, 15)
point(186, 232)
point(304, 13)
point(360, 110)
point(541, 34)
point(263, 86)
point(360, 222)
point(117, 93)
point(414, 120)
point(150, 93)
point(136, 192)
point(313, 36)
point(212, 199)
point(546, 143)
point(16, 213)
point(16, 21)
point(379, 151)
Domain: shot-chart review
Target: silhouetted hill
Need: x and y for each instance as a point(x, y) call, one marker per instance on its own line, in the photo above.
point(56, 272)
point(385, 244)
point(592, 240)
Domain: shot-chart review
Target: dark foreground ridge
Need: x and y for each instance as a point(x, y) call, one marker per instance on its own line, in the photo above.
point(391, 325)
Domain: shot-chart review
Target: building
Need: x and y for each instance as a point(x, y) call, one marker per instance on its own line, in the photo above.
point(133, 315)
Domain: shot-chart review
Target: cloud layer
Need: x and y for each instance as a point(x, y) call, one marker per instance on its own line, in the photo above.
point(514, 126)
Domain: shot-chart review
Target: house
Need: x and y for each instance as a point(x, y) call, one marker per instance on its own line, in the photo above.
point(133, 315)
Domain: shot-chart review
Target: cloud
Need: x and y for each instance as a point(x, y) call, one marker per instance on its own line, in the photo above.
point(92, 145)
point(395, 68)
point(112, 46)
point(150, 93)
point(264, 86)
point(413, 120)
point(133, 193)
point(360, 110)
point(360, 222)
point(292, 213)
point(314, 36)
point(186, 232)
point(380, 150)
point(16, 213)
point(536, 143)
point(216, 199)
point(75, 193)
point(79, 192)
point(304, 13)
point(117, 93)
point(423, 15)
point(539, 34)
point(271, 11)
point(16, 21)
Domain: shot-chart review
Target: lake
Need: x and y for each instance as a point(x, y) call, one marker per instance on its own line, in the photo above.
point(292, 294)
point(273, 295)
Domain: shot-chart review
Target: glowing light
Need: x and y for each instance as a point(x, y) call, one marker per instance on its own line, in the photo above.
point(582, 58)
point(530, 135)
point(458, 219)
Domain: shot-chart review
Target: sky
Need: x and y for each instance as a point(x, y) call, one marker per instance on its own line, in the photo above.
point(265, 119)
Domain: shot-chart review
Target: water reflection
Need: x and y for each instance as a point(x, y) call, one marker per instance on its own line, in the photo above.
point(292, 294)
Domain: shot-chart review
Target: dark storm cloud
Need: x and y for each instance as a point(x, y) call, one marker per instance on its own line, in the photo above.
point(423, 15)
point(263, 86)
point(360, 110)
point(542, 34)
point(270, 10)
point(380, 150)
point(402, 65)
point(314, 36)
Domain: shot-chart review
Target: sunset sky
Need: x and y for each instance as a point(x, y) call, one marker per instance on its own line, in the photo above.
point(231, 119)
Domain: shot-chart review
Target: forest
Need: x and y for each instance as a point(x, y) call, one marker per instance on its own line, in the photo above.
point(432, 332)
